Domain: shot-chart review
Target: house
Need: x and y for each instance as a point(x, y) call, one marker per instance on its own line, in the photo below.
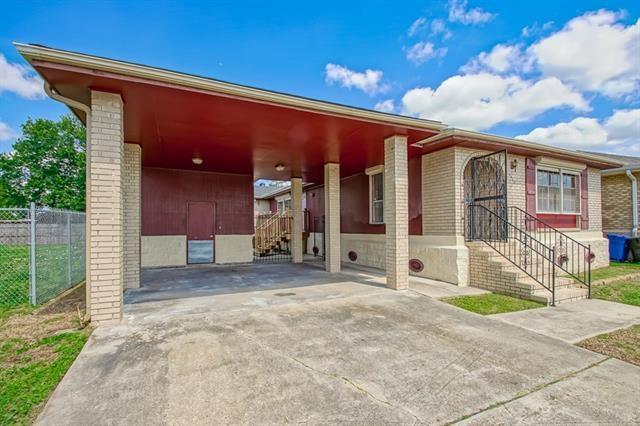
point(172, 158)
point(620, 196)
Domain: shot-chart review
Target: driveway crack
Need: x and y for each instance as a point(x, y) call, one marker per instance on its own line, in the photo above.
point(343, 379)
point(528, 392)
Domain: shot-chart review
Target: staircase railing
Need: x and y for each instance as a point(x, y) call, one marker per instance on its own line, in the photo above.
point(571, 256)
point(515, 244)
point(270, 229)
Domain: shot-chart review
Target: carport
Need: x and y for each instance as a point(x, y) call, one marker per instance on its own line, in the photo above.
point(172, 157)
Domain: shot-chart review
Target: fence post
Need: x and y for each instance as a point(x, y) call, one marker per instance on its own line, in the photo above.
point(68, 248)
point(32, 251)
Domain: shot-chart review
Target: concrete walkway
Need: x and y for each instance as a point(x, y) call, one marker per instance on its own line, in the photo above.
point(576, 321)
point(343, 351)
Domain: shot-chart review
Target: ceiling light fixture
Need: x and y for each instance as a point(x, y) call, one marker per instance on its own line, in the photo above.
point(279, 167)
point(197, 159)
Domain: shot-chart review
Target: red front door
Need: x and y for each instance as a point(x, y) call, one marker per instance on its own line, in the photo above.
point(200, 220)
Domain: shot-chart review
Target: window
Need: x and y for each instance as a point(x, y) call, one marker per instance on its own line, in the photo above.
point(376, 191)
point(558, 191)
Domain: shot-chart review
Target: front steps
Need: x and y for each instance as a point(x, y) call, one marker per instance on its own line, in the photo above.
point(491, 271)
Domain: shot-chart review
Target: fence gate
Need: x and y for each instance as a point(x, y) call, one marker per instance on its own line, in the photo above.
point(42, 253)
point(316, 235)
point(272, 238)
point(487, 187)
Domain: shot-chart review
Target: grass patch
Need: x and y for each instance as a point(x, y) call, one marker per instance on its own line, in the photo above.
point(30, 371)
point(488, 304)
point(627, 292)
point(615, 269)
point(37, 347)
point(622, 344)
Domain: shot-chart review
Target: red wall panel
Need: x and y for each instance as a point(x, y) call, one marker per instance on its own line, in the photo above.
point(559, 220)
point(354, 203)
point(166, 192)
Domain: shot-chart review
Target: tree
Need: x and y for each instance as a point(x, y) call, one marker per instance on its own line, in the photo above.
point(46, 166)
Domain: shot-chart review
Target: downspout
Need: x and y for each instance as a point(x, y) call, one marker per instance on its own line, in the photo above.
point(634, 202)
point(71, 103)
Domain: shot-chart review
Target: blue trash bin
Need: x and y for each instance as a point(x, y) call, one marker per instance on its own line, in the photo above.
point(618, 247)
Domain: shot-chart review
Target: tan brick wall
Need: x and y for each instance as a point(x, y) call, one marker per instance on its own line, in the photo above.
point(332, 216)
point(296, 225)
point(131, 200)
point(438, 193)
point(396, 211)
point(617, 208)
point(594, 199)
point(105, 207)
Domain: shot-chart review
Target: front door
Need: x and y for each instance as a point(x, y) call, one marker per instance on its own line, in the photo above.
point(200, 231)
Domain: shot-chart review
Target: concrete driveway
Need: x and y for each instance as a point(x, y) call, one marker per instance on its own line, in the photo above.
point(343, 350)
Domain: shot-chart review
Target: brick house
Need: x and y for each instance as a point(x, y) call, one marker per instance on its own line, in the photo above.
point(620, 197)
point(171, 161)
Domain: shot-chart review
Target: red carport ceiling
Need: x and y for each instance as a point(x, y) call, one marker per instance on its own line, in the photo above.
point(232, 135)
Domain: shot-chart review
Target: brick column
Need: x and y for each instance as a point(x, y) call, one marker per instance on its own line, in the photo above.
point(104, 208)
point(131, 198)
point(332, 216)
point(296, 226)
point(396, 212)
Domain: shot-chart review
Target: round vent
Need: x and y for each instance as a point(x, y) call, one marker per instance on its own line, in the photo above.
point(353, 256)
point(415, 265)
point(590, 257)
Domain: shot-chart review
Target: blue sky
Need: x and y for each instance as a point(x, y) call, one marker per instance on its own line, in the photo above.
point(558, 72)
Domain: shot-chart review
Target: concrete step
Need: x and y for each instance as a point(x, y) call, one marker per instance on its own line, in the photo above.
point(563, 295)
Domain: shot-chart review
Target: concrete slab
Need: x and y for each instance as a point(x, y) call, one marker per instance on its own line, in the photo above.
point(356, 354)
point(575, 321)
point(556, 403)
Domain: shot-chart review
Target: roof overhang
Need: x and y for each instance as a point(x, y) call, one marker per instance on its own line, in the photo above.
point(235, 128)
point(633, 168)
point(467, 138)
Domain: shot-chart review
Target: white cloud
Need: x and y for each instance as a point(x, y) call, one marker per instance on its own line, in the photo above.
point(369, 81)
point(458, 12)
point(502, 58)
point(624, 126)
point(385, 106)
point(593, 52)
point(439, 27)
point(422, 51)
point(416, 26)
point(480, 101)
point(20, 80)
point(620, 133)
point(6, 132)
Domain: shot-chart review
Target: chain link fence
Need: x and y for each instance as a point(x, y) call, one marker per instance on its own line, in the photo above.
point(42, 253)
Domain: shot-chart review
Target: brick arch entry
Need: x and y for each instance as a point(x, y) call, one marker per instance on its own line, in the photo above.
point(484, 180)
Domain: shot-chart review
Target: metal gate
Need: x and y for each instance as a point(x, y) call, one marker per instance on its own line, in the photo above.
point(272, 238)
point(317, 237)
point(486, 189)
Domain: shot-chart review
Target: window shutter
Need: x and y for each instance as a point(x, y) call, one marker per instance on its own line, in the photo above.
point(584, 199)
point(530, 189)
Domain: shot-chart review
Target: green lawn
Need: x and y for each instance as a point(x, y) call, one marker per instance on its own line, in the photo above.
point(37, 347)
point(622, 292)
point(615, 269)
point(488, 304)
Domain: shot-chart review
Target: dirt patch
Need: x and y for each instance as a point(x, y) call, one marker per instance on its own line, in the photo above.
point(622, 344)
point(58, 315)
point(43, 353)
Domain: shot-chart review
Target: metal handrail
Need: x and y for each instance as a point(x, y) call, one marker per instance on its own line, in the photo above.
point(526, 252)
point(572, 256)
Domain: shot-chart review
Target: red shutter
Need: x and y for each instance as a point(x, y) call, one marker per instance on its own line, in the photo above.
point(530, 189)
point(584, 199)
